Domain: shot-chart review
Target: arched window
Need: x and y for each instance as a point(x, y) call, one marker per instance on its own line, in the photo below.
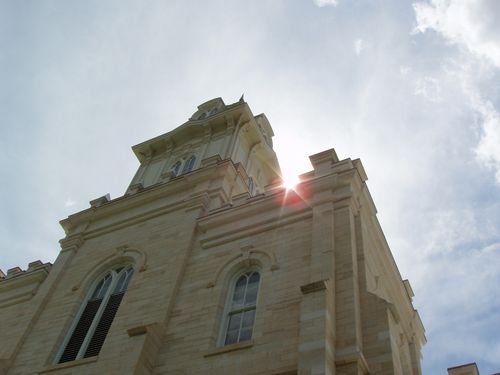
point(176, 168)
point(240, 310)
point(96, 315)
point(188, 164)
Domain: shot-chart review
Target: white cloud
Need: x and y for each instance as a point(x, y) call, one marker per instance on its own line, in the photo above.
point(359, 45)
point(323, 3)
point(69, 202)
point(488, 149)
point(474, 26)
point(468, 333)
point(450, 229)
point(404, 70)
point(429, 88)
point(472, 23)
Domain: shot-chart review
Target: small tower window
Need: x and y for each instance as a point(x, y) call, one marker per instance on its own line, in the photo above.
point(189, 164)
point(97, 313)
point(240, 310)
point(251, 185)
point(176, 168)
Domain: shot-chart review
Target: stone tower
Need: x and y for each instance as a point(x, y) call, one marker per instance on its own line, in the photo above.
point(208, 265)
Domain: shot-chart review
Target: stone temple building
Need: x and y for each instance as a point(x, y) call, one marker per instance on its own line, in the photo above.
point(208, 265)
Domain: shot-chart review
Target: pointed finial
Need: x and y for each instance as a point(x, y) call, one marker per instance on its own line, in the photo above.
point(241, 99)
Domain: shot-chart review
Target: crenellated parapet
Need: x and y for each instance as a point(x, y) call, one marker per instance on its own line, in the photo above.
point(20, 285)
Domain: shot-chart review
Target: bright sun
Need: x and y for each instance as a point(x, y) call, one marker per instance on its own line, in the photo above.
point(289, 182)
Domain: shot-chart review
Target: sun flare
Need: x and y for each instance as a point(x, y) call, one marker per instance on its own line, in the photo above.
point(290, 182)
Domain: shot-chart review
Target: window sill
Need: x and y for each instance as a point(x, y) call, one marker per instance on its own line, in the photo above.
point(77, 362)
point(229, 348)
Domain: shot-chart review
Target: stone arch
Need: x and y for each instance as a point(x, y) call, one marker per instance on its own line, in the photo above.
point(247, 258)
point(122, 255)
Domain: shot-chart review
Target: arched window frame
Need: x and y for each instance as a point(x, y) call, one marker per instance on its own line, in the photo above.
point(229, 311)
point(116, 286)
point(188, 164)
point(183, 166)
point(176, 167)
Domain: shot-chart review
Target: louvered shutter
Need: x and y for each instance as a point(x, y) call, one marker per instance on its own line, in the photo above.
point(80, 331)
point(104, 324)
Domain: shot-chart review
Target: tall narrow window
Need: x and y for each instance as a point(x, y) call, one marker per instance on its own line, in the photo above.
point(251, 185)
point(95, 318)
point(189, 164)
point(240, 315)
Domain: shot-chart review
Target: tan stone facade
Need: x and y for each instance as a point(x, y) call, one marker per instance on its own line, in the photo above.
point(206, 206)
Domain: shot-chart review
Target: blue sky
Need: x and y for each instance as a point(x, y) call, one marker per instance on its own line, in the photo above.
point(410, 87)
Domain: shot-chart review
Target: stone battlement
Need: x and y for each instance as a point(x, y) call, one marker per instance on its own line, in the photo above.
point(32, 267)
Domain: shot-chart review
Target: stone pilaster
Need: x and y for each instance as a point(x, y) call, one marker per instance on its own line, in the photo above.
point(349, 357)
point(315, 352)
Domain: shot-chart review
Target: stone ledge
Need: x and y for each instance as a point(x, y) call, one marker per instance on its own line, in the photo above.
point(313, 287)
point(60, 366)
point(142, 329)
point(229, 348)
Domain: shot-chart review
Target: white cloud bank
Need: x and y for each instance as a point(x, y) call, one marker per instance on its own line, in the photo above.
point(472, 23)
point(429, 88)
point(474, 26)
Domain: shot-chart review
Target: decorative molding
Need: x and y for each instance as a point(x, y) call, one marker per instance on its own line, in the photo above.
point(212, 283)
point(142, 259)
point(247, 257)
point(71, 243)
point(122, 253)
point(135, 188)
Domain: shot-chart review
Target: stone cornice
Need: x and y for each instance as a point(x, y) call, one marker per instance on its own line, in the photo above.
point(247, 206)
point(156, 144)
point(79, 222)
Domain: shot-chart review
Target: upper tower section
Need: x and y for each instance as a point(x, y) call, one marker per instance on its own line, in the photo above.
point(229, 131)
